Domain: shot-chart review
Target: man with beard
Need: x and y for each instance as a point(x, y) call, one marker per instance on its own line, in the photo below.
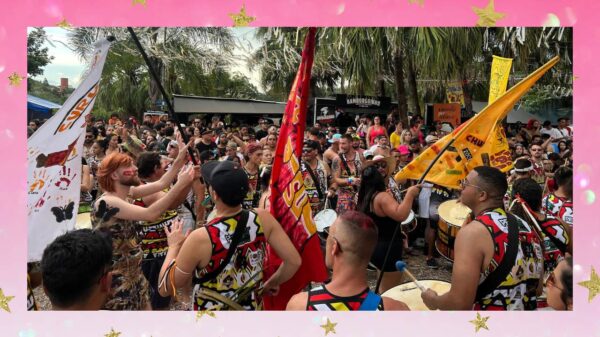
point(152, 233)
point(314, 173)
point(537, 159)
point(115, 214)
point(346, 170)
point(414, 145)
point(91, 133)
point(356, 145)
point(488, 250)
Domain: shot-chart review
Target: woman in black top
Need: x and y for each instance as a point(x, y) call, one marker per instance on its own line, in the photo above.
point(380, 205)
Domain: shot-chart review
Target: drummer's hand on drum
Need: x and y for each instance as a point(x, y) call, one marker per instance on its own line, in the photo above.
point(429, 297)
point(414, 191)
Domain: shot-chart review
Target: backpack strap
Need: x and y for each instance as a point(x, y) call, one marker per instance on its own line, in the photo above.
point(314, 178)
point(371, 302)
point(235, 241)
point(498, 275)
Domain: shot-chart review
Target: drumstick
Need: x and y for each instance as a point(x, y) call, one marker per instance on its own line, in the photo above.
point(401, 267)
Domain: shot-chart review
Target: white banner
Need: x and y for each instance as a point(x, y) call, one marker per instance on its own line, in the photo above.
point(54, 163)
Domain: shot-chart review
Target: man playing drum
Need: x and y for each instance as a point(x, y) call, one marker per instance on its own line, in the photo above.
point(350, 244)
point(487, 250)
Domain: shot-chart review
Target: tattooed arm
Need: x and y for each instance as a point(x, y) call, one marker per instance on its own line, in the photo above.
point(336, 172)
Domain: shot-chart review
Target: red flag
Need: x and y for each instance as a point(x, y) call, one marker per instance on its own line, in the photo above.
point(289, 201)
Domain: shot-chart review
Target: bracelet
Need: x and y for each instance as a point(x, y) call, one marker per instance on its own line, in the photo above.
point(350, 181)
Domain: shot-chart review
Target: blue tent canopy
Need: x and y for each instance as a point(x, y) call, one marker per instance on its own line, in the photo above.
point(40, 105)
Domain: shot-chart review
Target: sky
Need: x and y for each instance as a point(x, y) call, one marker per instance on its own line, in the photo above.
point(67, 64)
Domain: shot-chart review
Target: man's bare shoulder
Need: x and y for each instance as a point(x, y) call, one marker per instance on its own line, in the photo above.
point(298, 302)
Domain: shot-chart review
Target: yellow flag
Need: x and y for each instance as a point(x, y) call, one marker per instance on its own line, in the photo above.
point(469, 148)
point(499, 77)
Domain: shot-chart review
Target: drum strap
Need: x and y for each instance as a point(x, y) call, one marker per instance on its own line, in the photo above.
point(235, 241)
point(498, 275)
point(314, 178)
point(371, 302)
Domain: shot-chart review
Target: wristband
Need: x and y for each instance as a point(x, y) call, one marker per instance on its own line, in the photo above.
point(350, 181)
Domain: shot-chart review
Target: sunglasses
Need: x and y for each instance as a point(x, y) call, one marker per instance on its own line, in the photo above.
point(306, 150)
point(381, 165)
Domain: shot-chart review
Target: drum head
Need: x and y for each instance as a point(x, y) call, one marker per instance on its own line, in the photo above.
point(454, 212)
point(411, 295)
point(324, 219)
point(411, 218)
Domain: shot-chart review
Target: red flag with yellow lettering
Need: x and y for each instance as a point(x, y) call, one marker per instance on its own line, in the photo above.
point(289, 201)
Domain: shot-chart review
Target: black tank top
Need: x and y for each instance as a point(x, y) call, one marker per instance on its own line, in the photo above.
point(385, 225)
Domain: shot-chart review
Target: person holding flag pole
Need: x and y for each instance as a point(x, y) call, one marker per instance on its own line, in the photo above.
point(456, 160)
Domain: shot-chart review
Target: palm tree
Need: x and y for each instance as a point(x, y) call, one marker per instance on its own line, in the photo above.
point(198, 50)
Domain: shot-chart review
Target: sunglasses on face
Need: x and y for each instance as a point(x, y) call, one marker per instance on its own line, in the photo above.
point(381, 165)
point(306, 150)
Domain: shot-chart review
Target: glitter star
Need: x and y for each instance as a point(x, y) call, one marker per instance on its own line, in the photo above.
point(4, 301)
point(64, 24)
point(112, 333)
point(15, 79)
point(141, 2)
point(593, 285)
point(487, 16)
point(329, 327)
point(241, 19)
point(201, 314)
point(480, 322)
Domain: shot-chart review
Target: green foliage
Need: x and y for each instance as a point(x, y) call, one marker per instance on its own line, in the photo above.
point(37, 54)
point(48, 92)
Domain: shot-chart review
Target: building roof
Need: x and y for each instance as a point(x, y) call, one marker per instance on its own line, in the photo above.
point(198, 104)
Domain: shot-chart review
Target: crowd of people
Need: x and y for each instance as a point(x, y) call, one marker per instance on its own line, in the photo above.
point(164, 229)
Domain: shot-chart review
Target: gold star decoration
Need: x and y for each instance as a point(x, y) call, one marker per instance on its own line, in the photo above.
point(64, 24)
point(487, 16)
point(241, 19)
point(4, 301)
point(593, 285)
point(15, 79)
point(480, 322)
point(112, 333)
point(420, 2)
point(329, 327)
point(201, 314)
point(141, 2)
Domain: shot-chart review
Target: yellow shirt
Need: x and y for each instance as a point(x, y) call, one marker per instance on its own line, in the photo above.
point(395, 140)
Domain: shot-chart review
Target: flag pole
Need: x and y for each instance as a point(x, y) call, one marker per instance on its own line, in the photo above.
point(162, 91)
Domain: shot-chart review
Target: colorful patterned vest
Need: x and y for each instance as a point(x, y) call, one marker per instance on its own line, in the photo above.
point(319, 299)
point(518, 290)
point(558, 207)
point(253, 197)
point(153, 239)
point(245, 269)
point(556, 240)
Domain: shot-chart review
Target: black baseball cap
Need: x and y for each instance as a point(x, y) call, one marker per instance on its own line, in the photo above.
point(228, 180)
point(206, 131)
point(311, 144)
